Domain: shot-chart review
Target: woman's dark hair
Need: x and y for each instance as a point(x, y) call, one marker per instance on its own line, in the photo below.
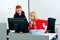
point(17, 7)
point(22, 12)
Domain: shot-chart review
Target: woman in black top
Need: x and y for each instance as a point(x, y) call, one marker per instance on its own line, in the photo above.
point(19, 14)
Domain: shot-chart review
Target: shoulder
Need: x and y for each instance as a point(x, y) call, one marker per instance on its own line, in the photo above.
point(15, 14)
point(38, 20)
point(23, 12)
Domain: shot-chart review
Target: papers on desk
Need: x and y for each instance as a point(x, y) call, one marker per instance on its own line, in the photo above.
point(36, 32)
point(12, 31)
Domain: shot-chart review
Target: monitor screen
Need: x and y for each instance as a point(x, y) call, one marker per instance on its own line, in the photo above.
point(18, 24)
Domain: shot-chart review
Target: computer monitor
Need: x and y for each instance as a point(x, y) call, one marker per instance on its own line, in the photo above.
point(18, 24)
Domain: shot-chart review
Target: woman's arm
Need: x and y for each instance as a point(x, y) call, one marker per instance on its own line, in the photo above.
point(31, 26)
point(45, 22)
point(15, 16)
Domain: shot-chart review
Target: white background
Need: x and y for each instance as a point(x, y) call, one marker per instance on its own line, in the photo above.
point(7, 8)
point(46, 9)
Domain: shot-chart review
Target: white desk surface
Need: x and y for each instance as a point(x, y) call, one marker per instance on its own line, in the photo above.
point(50, 35)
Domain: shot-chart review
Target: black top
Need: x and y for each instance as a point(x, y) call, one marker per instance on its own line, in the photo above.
point(20, 16)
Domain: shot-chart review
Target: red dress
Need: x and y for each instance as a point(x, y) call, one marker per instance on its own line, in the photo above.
point(39, 24)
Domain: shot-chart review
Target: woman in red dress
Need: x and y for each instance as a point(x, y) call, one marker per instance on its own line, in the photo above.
point(36, 23)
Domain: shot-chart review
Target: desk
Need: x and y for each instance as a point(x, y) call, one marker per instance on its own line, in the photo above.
point(27, 36)
point(51, 35)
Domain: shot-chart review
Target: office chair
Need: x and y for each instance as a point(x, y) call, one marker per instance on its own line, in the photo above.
point(51, 25)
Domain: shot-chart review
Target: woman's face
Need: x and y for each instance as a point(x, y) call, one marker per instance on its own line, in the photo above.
point(19, 10)
point(32, 16)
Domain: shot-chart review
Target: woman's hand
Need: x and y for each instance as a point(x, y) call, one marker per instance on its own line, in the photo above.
point(21, 32)
point(30, 23)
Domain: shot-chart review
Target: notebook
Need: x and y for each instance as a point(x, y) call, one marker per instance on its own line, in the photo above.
point(36, 32)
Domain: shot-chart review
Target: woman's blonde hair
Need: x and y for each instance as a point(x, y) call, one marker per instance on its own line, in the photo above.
point(35, 16)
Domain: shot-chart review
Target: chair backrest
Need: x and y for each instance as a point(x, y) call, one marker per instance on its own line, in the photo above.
point(51, 25)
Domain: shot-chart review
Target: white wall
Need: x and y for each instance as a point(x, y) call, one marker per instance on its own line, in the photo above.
point(7, 8)
point(46, 9)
